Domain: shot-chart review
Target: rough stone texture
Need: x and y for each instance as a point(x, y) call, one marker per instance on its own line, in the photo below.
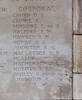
point(77, 89)
point(36, 59)
point(80, 16)
point(77, 16)
point(77, 53)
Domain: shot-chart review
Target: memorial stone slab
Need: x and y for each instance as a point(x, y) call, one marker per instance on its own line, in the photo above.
point(35, 49)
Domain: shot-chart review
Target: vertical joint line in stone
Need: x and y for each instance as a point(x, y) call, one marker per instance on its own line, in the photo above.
point(72, 65)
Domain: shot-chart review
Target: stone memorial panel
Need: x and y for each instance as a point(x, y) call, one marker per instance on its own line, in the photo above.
point(35, 49)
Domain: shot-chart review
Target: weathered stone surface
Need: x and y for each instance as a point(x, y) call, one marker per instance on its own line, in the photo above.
point(80, 16)
point(77, 53)
point(77, 87)
point(77, 16)
point(35, 49)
